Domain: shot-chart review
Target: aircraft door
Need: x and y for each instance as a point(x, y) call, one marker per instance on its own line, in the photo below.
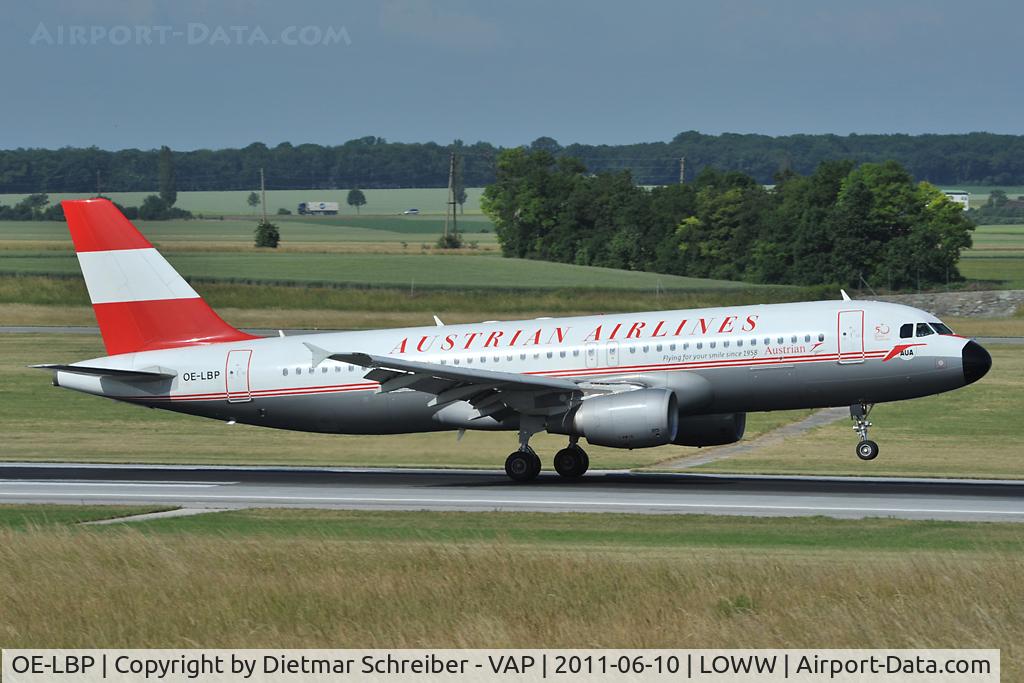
point(611, 350)
point(236, 376)
point(590, 351)
point(851, 336)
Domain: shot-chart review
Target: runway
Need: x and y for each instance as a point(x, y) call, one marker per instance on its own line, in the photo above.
point(482, 490)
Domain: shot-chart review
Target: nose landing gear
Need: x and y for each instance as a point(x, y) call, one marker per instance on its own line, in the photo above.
point(866, 448)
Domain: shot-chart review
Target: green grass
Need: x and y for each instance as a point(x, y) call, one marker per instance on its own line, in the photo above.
point(28, 516)
point(568, 530)
point(427, 200)
point(1006, 272)
point(432, 226)
point(412, 270)
point(238, 233)
point(971, 432)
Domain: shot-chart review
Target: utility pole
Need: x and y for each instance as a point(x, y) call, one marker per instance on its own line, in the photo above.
point(263, 195)
point(450, 210)
point(682, 170)
point(98, 193)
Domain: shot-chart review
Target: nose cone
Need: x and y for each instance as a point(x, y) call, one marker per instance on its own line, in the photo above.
point(976, 362)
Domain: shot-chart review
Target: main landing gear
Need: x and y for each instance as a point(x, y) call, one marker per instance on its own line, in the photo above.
point(524, 465)
point(572, 462)
point(866, 448)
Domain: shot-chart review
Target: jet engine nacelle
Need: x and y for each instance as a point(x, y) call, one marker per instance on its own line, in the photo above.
point(710, 430)
point(631, 419)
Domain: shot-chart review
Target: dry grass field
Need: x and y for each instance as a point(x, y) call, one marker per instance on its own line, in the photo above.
point(257, 579)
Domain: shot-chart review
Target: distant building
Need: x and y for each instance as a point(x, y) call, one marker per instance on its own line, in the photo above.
point(960, 197)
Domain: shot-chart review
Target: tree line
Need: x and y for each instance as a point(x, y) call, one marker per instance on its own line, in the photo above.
point(374, 163)
point(154, 207)
point(843, 224)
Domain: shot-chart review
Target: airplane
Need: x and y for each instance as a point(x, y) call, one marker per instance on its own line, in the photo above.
point(631, 380)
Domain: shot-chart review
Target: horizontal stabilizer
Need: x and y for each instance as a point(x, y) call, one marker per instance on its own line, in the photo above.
point(117, 373)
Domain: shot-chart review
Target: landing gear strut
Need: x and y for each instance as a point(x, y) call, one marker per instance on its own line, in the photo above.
point(866, 449)
point(524, 464)
point(572, 462)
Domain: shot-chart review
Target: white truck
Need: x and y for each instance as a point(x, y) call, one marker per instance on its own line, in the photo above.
point(318, 208)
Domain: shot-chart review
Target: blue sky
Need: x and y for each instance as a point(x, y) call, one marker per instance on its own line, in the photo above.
point(209, 74)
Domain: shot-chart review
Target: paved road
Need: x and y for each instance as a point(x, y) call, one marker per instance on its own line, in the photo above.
point(474, 490)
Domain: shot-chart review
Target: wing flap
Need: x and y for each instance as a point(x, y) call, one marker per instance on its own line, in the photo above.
point(492, 389)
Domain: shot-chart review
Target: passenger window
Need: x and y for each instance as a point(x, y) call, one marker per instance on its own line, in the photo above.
point(793, 340)
point(700, 345)
point(522, 356)
point(646, 348)
point(483, 359)
point(739, 342)
point(575, 353)
point(549, 354)
point(712, 344)
point(284, 372)
point(324, 371)
point(337, 368)
point(298, 371)
point(821, 337)
point(906, 331)
point(923, 330)
point(725, 344)
point(658, 347)
point(807, 337)
point(561, 354)
point(671, 347)
point(456, 361)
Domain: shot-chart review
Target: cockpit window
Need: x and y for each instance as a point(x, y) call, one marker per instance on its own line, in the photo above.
point(923, 330)
point(907, 331)
point(941, 329)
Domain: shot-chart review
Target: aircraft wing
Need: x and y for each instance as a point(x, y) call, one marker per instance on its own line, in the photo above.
point(116, 373)
point(489, 391)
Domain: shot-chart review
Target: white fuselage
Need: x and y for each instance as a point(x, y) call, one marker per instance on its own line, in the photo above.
point(717, 360)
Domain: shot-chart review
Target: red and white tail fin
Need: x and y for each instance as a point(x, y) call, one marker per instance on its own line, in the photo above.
point(141, 302)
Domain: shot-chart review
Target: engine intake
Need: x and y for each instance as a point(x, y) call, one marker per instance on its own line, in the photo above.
point(710, 430)
point(631, 419)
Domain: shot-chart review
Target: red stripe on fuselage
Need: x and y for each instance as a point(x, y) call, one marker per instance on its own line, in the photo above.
point(133, 326)
point(578, 372)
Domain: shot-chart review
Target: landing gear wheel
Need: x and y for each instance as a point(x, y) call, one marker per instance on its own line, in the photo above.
point(522, 466)
point(867, 450)
point(571, 462)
